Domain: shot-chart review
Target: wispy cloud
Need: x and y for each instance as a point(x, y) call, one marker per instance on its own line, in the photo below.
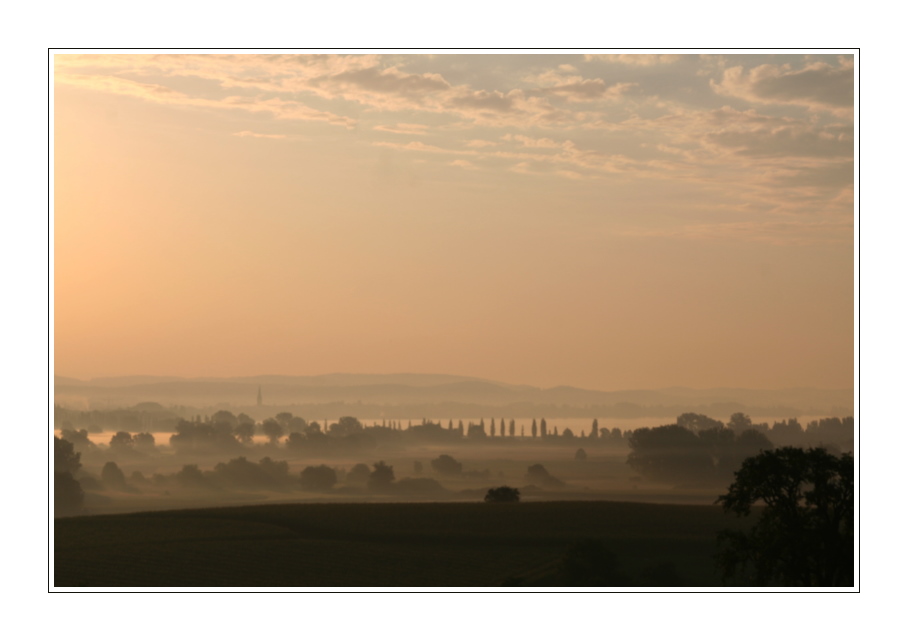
point(635, 59)
point(404, 129)
point(277, 107)
point(817, 85)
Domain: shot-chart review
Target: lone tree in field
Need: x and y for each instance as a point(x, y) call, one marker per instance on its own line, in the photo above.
point(503, 494)
point(805, 533)
point(381, 477)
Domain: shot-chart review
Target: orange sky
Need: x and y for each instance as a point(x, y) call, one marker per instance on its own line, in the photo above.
point(590, 220)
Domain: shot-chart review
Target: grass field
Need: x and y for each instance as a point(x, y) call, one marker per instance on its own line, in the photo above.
point(420, 545)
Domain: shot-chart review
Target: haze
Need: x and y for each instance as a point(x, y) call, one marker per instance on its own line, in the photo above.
point(601, 221)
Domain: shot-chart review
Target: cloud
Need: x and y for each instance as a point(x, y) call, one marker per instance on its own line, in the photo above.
point(404, 129)
point(463, 164)
point(635, 59)
point(277, 107)
point(795, 140)
point(546, 143)
point(817, 86)
point(483, 100)
point(563, 83)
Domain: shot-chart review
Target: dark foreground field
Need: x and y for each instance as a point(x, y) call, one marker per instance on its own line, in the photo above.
point(392, 544)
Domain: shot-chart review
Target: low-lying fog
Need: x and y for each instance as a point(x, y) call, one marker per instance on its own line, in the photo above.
point(216, 460)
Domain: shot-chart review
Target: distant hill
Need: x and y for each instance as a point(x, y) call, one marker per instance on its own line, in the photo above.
point(442, 395)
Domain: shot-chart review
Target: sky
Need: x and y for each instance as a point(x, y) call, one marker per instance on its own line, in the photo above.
point(601, 220)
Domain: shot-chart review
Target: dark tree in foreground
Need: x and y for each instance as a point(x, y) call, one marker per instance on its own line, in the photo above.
point(503, 494)
point(66, 459)
point(805, 533)
point(68, 494)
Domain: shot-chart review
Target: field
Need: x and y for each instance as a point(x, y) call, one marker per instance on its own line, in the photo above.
point(419, 545)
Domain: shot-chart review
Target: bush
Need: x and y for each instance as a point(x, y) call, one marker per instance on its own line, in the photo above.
point(503, 494)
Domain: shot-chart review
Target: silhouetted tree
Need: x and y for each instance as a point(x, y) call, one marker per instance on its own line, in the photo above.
point(244, 432)
point(503, 494)
point(511, 428)
point(787, 432)
point(669, 453)
point(68, 494)
point(318, 478)
point(224, 417)
point(740, 421)
point(345, 426)
point(594, 431)
point(381, 477)
point(121, 441)
point(446, 465)
point(476, 431)
point(191, 476)
point(79, 438)
point(112, 476)
point(241, 473)
point(805, 534)
point(359, 475)
point(273, 430)
point(543, 431)
point(538, 475)
point(144, 441)
point(203, 438)
point(533, 429)
point(580, 455)
point(279, 471)
point(66, 459)
point(696, 422)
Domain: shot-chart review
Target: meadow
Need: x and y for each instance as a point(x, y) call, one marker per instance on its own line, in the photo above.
point(415, 545)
